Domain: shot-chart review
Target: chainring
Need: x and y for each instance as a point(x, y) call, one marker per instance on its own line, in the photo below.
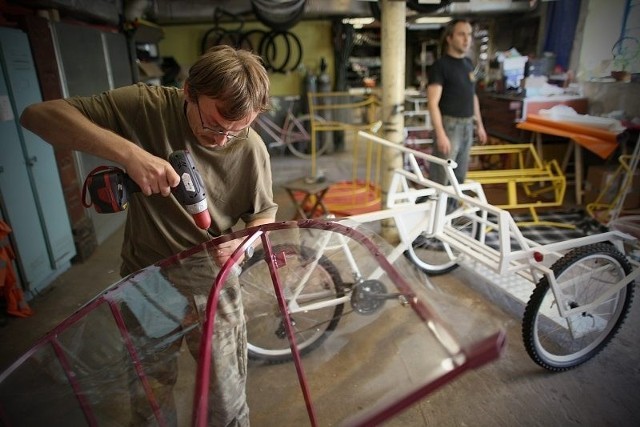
point(368, 296)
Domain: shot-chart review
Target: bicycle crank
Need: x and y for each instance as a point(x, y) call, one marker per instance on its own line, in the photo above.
point(369, 296)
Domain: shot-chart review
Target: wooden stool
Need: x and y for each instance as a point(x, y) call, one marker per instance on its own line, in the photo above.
point(317, 190)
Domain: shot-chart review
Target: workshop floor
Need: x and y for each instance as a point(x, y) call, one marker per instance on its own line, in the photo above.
point(510, 391)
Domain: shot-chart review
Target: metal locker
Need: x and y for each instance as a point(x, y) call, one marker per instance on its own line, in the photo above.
point(29, 181)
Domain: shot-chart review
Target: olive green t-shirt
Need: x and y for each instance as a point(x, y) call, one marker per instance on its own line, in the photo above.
point(237, 178)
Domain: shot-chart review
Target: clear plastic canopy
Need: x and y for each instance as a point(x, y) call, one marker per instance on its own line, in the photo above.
point(341, 331)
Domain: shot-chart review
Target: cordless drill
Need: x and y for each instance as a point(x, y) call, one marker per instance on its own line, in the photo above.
point(109, 188)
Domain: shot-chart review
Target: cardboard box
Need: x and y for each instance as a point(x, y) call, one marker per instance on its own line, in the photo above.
point(149, 70)
point(601, 178)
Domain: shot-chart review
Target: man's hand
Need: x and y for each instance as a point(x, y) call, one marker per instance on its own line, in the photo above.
point(482, 134)
point(152, 174)
point(223, 251)
point(444, 145)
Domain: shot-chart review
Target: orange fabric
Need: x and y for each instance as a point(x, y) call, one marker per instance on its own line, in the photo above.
point(16, 304)
point(598, 141)
point(595, 132)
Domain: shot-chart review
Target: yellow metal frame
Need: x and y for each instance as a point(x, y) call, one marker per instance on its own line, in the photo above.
point(329, 104)
point(528, 172)
point(601, 209)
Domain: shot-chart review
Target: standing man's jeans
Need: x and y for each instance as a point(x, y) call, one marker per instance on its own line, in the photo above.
point(460, 133)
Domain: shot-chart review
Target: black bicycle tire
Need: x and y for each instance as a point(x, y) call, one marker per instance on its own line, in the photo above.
point(269, 51)
point(284, 24)
point(331, 270)
point(529, 322)
point(245, 40)
point(280, 7)
point(220, 14)
point(298, 44)
point(269, 42)
point(204, 45)
point(232, 36)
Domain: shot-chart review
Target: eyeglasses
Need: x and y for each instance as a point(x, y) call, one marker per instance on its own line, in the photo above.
point(243, 134)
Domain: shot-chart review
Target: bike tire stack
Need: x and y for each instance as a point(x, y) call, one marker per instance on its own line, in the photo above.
point(279, 15)
point(280, 49)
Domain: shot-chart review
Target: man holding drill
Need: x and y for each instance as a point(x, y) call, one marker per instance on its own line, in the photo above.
point(138, 127)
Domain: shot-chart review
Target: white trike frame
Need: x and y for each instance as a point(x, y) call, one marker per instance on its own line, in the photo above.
point(412, 219)
point(588, 318)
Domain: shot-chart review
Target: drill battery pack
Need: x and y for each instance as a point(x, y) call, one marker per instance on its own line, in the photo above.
point(109, 189)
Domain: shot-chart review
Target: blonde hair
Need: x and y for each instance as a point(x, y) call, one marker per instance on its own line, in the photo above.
point(236, 77)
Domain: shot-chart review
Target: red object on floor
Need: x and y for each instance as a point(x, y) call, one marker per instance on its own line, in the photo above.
point(347, 198)
point(16, 304)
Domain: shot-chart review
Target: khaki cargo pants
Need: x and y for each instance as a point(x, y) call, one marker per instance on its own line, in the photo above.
point(227, 397)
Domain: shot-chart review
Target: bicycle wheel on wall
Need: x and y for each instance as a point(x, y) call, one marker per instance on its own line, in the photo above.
point(558, 343)
point(267, 338)
point(298, 137)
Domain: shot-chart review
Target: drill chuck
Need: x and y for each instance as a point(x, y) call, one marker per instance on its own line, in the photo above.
point(190, 192)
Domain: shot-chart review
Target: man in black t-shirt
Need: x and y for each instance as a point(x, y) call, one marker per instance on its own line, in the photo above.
point(453, 103)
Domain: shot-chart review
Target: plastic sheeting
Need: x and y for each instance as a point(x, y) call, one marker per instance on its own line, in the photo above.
point(361, 337)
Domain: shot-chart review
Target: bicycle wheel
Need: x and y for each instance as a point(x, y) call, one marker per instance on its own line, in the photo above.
point(298, 137)
point(557, 343)
point(435, 257)
point(267, 338)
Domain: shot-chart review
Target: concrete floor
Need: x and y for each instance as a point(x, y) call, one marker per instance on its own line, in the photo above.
point(510, 391)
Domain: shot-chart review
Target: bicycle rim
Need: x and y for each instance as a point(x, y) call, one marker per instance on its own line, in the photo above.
point(435, 257)
point(557, 343)
point(298, 137)
point(267, 338)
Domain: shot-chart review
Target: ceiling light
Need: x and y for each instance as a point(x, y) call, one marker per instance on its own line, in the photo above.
point(432, 20)
point(358, 22)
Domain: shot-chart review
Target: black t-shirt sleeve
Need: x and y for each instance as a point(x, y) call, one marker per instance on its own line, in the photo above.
point(436, 74)
point(455, 75)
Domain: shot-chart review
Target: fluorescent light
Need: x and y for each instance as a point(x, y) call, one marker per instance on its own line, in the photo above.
point(422, 27)
point(433, 20)
point(359, 22)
